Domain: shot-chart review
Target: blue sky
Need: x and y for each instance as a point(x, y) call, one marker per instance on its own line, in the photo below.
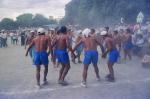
point(13, 8)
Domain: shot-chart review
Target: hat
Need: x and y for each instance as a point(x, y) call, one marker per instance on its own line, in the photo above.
point(86, 32)
point(63, 29)
point(2, 30)
point(103, 33)
point(52, 29)
point(32, 31)
point(41, 30)
point(79, 32)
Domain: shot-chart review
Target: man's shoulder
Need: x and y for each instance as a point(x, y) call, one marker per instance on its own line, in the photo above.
point(109, 39)
point(35, 38)
point(66, 36)
point(47, 37)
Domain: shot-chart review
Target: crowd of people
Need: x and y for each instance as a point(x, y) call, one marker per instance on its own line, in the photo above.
point(64, 45)
point(127, 39)
point(13, 37)
point(3, 39)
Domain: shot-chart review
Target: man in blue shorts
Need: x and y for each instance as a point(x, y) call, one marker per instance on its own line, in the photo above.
point(90, 54)
point(79, 49)
point(63, 45)
point(28, 41)
point(112, 52)
point(127, 44)
point(42, 43)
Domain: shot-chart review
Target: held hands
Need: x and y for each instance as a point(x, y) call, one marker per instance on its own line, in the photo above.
point(26, 53)
point(73, 56)
point(104, 55)
point(52, 58)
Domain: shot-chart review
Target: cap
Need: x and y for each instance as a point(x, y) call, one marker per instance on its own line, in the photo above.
point(86, 32)
point(103, 33)
point(41, 30)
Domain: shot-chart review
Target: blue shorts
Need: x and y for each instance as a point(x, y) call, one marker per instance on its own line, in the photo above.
point(31, 51)
point(113, 55)
point(40, 58)
point(90, 56)
point(127, 45)
point(79, 49)
point(55, 52)
point(62, 56)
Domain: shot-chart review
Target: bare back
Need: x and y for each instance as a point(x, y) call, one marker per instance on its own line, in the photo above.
point(117, 39)
point(61, 42)
point(90, 43)
point(41, 43)
point(29, 40)
point(110, 43)
point(127, 37)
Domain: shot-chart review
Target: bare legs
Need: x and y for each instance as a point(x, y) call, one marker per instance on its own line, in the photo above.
point(63, 72)
point(85, 72)
point(110, 76)
point(127, 53)
point(97, 71)
point(38, 69)
point(45, 73)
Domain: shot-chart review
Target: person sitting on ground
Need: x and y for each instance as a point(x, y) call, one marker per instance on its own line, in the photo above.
point(139, 44)
point(146, 60)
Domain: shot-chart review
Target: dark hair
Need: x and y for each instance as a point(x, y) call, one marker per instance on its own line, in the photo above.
point(92, 30)
point(69, 30)
point(107, 28)
point(57, 28)
point(41, 34)
point(63, 29)
point(116, 32)
point(148, 52)
point(128, 30)
point(58, 31)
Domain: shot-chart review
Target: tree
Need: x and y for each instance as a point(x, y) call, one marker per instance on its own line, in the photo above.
point(24, 20)
point(8, 24)
point(40, 20)
point(104, 12)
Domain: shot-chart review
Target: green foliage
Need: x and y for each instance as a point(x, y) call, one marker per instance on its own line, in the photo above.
point(25, 20)
point(8, 24)
point(39, 20)
point(98, 12)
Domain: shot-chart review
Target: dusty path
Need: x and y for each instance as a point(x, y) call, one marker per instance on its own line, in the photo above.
point(17, 80)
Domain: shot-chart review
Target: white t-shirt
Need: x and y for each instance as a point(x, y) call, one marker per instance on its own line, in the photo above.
point(4, 35)
point(148, 27)
point(11, 34)
point(148, 40)
point(140, 42)
point(146, 59)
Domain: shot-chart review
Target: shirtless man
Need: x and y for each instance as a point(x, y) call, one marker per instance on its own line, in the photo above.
point(28, 41)
point(52, 34)
point(42, 44)
point(62, 45)
point(54, 60)
point(113, 54)
point(127, 44)
point(91, 54)
point(79, 48)
point(118, 42)
point(117, 38)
